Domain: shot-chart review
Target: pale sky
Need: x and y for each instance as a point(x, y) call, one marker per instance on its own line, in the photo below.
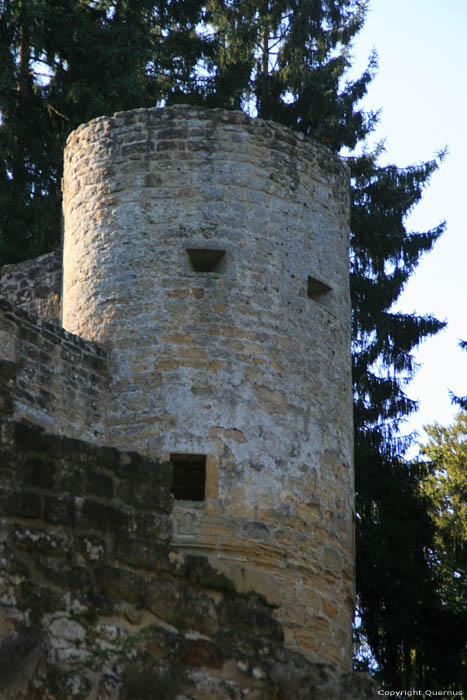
point(420, 88)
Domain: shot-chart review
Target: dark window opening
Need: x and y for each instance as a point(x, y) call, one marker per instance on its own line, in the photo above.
point(205, 259)
point(317, 290)
point(188, 477)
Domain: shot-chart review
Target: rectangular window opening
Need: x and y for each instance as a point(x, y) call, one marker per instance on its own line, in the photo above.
point(205, 259)
point(189, 477)
point(317, 290)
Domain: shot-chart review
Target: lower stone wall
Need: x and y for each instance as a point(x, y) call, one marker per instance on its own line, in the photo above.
point(95, 604)
point(35, 286)
point(56, 379)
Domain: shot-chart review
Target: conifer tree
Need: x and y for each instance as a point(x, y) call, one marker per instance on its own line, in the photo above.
point(445, 487)
point(29, 196)
point(62, 63)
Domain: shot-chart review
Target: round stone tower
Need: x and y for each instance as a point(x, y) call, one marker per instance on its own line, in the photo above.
point(208, 253)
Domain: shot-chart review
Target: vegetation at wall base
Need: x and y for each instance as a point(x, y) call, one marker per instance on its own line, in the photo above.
point(64, 62)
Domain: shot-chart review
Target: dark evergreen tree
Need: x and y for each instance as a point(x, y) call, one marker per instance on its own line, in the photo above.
point(286, 61)
point(445, 488)
point(396, 588)
point(62, 63)
point(29, 192)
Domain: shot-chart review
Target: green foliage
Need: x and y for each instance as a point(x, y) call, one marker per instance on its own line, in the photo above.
point(397, 590)
point(411, 636)
point(383, 256)
point(28, 207)
point(63, 63)
point(115, 651)
point(446, 488)
point(141, 678)
point(414, 602)
point(286, 61)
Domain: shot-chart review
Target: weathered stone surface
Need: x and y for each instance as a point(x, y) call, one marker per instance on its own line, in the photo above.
point(57, 380)
point(206, 287)
point(35, 286)
point(240, 353)
point(25, 504)
point(90, 610)
point(149, 553)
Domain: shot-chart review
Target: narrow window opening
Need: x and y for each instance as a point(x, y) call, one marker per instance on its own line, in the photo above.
point(205, 259)
point(188, 477)
point(317, 290)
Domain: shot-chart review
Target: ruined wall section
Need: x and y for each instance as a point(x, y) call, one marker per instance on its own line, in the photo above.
point(57, 380)
point(96, 604)
point(76, 520)
point(35, 286)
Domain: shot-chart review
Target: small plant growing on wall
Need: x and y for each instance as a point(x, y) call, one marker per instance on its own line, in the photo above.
point(135, 671)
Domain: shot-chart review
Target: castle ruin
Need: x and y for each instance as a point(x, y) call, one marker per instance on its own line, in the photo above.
point(199, 327)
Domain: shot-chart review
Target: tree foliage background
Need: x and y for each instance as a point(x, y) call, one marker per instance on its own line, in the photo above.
point(445, 487)
point(64, 62)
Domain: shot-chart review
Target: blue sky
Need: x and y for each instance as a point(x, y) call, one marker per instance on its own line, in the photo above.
point(420, 88)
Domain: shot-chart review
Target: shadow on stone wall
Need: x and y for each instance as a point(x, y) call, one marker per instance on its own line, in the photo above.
point(97, 604)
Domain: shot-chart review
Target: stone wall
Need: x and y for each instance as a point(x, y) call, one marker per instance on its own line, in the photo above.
point(95, 603)
point(58, 380)
point(208, 253)
point(35, 286)
point(206, 291)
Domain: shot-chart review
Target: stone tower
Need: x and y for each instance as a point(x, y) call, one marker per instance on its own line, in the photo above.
point(208, 253)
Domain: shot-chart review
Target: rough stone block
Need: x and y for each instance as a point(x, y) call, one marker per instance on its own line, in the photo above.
point(25, 504)
point(141, 553)
point(118, 583)
point(182, 606)
point(59, 510)
point(95, 515)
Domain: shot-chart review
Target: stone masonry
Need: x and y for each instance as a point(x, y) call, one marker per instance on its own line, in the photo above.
point(58, 381)
point(35, 286)
point(206, 327)
point(96, 605)
point(248, 362)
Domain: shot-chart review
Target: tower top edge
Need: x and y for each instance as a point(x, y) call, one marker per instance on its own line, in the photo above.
point(153, 116)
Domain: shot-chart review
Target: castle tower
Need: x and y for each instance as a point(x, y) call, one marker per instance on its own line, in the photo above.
point(208, 253)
